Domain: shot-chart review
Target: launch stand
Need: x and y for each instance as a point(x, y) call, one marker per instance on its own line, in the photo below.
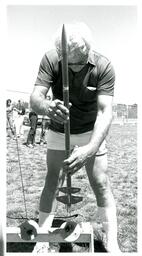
point(86, 236)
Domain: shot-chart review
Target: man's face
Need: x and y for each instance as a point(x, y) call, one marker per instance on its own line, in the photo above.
point(75, 56)
point(76, 60)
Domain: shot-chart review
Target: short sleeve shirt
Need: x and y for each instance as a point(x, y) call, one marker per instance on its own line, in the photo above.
point(97, 77)
point(22, 109)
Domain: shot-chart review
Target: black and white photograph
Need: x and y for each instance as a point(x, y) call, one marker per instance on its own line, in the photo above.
point(71, 111)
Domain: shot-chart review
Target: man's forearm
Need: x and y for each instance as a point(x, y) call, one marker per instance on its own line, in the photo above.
point(39, 104)
point(100, 131)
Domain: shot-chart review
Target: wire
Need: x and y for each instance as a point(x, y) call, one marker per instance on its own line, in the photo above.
point(33, 218)
point(21, 179)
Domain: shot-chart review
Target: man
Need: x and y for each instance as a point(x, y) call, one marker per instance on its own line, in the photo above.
point(91, 88)
point(33, 117)
point(20, 109)
point(9, 115)
point(45, 124)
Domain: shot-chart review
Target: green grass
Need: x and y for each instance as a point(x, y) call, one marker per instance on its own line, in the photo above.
point(122, 160)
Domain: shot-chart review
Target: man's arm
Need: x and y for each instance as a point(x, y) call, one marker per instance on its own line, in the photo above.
point(102, 124)
point(38, 101)
point(42, 106)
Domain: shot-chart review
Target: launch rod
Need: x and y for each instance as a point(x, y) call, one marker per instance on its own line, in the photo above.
point(65, 81)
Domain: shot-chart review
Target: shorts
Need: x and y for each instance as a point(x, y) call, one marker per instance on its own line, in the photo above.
point(56, 141)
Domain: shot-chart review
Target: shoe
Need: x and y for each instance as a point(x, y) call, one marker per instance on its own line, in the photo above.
point(41, 247)
point(29, 145)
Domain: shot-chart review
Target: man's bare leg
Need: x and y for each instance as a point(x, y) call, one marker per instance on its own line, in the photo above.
point(96, 169)
point(54, 179)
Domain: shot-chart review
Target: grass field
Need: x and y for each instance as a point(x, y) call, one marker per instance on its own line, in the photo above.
point(122, 159)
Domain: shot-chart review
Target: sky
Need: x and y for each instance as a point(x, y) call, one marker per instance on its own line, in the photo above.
point(29, 35)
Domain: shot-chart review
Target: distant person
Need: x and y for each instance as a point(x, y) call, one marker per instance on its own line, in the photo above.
point(9, 119)
point(33, 117)
point(20, 109)
point(44, 126)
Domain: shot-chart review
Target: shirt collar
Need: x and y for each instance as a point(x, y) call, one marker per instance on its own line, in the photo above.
point(92, 59)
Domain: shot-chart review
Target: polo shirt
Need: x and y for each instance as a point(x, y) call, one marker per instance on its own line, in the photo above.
point(97, 77)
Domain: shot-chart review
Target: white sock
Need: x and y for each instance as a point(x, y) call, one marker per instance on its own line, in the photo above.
point(107, 216)
point(45, 220)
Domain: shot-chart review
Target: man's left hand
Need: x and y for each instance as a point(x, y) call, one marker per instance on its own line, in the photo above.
point(77, 159)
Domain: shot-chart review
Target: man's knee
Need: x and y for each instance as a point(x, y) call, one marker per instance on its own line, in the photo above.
point(102, 190)
point(101, 182)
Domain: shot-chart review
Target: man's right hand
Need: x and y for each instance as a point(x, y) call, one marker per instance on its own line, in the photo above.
point(58, 112)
